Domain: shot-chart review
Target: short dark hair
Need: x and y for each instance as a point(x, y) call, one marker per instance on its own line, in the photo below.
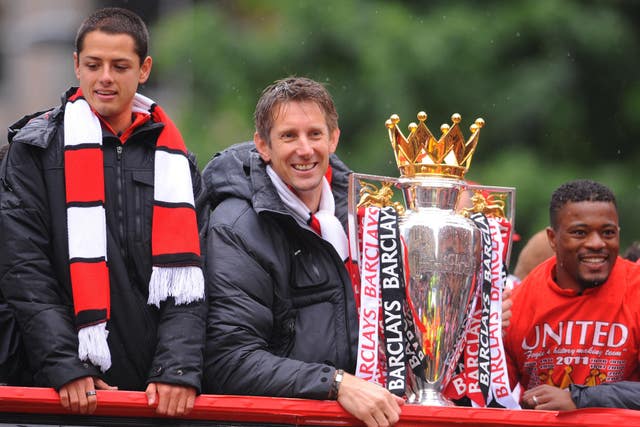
point(580, 190)
point(116, 20)
point(292, 89)
point(632, 253)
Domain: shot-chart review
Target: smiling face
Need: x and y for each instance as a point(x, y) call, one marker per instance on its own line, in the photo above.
point(109, 71)
point(586, 241)
point(299, 148)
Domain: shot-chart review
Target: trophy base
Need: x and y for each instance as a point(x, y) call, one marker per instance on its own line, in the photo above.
point(429, 398)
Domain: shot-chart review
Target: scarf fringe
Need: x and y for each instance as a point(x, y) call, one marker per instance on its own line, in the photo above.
point(184, 284)
point(92, 345)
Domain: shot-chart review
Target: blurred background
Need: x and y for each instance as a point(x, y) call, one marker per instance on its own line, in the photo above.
point(557, 81)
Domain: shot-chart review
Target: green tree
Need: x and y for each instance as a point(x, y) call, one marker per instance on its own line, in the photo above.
point(554, 80)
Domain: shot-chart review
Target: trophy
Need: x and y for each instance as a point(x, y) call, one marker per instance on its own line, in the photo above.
point(441, 253)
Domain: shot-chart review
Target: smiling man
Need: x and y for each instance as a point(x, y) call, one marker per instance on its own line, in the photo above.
point(282, 317)
point(100, 259)
point(575, 317)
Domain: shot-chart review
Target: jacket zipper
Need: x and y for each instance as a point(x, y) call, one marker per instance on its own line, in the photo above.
point(120, 196)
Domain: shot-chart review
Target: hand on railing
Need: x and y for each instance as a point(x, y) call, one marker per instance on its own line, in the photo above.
point(548, 398)
point(369, 402)
point(79, 396)
point(171, 399)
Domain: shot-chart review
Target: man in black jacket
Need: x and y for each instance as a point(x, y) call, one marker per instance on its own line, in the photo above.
point(12, 357)
point(100, 259)
point(282, 318)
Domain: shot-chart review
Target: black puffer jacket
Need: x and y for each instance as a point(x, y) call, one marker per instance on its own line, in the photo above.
point(147, 344)
point(281, 310)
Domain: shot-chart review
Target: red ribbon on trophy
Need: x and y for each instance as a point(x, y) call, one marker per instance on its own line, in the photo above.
point(387, 342)
point(482, 377)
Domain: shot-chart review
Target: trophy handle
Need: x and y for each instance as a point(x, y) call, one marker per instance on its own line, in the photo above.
point(506, 195)
point(354, 199)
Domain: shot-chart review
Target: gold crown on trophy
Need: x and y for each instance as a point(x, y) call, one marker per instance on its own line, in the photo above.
point(422, 154)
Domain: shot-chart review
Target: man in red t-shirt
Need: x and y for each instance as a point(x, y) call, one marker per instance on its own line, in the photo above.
point(575, 320)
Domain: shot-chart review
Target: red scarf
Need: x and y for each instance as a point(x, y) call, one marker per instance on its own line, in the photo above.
point(175, 245)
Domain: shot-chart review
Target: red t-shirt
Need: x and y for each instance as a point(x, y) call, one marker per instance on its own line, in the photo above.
point(558, 337)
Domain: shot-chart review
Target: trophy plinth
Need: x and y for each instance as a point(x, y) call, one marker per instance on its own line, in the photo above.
point(427, 396)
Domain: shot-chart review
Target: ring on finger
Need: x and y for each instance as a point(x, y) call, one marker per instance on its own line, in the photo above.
point(90, 393)
point(535, 400)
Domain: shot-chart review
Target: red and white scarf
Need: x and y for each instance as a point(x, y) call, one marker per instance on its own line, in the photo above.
point(330, 227)
point(175, 245)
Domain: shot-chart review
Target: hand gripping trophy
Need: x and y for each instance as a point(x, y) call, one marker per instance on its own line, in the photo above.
point(430, 270)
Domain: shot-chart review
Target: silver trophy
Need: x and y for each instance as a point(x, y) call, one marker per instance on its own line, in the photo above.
point(442, 250)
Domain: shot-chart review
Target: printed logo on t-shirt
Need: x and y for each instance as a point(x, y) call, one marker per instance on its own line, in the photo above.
point(584, 352)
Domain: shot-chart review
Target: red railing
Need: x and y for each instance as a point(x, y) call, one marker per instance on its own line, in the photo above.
point(22, 403)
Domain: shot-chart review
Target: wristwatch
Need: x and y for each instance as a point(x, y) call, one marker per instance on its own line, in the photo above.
point(335, 386)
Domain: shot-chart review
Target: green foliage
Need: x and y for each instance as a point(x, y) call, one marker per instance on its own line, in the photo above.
point(556, 82)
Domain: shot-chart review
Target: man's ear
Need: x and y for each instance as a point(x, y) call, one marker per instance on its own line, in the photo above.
point(76, 65)
point(145, 70)
point(263, 147)
point(551, 237)
point(333, 142)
